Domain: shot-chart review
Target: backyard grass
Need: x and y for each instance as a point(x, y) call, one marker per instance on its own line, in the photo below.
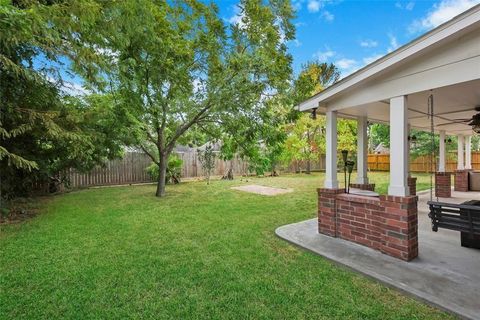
point(203, 252)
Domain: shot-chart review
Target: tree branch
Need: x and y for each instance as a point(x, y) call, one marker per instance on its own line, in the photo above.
point(181, 130)
point(149, 154)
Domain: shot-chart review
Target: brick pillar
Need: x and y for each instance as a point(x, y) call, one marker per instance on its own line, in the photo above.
point(412, 185)
point(363, 186)
point(461, 180)
point(400, 239)
point(443, 184)
point(327, 210)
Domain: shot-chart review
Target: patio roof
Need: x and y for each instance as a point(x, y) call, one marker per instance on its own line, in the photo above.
point(444, 62)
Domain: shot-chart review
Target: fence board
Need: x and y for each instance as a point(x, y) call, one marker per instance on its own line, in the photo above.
point(381, 162)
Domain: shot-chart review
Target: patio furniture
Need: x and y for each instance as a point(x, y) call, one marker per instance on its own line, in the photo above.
point(463, 217)
point(474, 181)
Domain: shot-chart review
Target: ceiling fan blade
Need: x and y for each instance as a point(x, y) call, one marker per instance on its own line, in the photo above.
point(453, 122)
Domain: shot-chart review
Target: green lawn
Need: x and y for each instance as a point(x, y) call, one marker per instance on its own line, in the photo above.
point(201, 252)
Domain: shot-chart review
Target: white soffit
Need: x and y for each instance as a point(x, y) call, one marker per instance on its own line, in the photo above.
point(451, 104)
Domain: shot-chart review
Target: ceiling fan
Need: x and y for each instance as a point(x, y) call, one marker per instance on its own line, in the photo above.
point(474, 121)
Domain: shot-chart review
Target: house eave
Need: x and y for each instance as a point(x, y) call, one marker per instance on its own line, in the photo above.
point(448, 30)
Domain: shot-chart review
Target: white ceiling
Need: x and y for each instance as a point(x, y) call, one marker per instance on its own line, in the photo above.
point(450, 103)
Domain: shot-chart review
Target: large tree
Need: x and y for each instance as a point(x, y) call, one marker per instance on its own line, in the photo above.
point(176, 68)
point(43, 130)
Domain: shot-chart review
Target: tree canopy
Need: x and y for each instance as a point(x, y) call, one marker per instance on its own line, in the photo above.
point(305, 139)
point(44, 130)
point(179, 69)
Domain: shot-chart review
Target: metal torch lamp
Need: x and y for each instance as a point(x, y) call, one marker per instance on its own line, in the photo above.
point(345, 159)
point(349, 166)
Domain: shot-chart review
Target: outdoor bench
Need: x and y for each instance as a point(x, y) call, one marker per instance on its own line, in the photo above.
point(463, 217)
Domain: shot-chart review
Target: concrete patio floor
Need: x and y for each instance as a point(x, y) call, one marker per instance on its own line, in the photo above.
point(445, 274)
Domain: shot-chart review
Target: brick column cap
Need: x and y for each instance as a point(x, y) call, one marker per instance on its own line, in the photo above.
point(443, 173)
point(330, 191)
point(358, 199)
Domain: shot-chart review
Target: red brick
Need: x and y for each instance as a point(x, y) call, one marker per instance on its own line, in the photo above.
point(443, 184)
point(387, 223)
point(461, 180)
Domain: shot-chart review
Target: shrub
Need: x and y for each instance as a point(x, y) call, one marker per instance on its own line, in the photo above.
point(174, 169)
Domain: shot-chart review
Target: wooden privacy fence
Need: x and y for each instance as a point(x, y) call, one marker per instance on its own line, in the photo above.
point(191, 166)
point(129, 169)
point(132, 169)
point(381, 162)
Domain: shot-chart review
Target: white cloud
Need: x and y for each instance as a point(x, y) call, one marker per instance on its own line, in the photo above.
point(370, 59)
point(368, 43)
point(313, 6)
point(70, 88)
point(74, 89)
point(328, 16)
point(407, 6)
point(441, 12)
point(296, 43)
point(345, 63)
point(297, 5)
point(347, 66)
point(393, 43)
point(237, 17)
point(324, 55)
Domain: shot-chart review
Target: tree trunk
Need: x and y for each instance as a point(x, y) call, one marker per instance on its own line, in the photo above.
point(230, 171)
point(162, 173)
point(307, 169)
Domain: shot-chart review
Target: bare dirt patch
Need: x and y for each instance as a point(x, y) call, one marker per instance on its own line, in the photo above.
point(263, 190)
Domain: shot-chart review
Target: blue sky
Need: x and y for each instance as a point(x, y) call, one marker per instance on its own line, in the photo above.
point(354, 33)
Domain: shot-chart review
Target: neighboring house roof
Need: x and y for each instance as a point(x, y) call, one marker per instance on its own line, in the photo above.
point(216, 145)
point(132, 149)
point(180, 149)
point(381, 149)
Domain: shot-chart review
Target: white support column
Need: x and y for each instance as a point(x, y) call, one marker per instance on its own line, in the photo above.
point(398, 147)
point(460, 161)
point(409, 144)
point(468, 153)
point(441, 153)
point(331, 181)
point(362, 150)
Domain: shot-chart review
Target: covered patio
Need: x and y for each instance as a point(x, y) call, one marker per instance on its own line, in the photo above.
point(444, 274)
point(431, 84)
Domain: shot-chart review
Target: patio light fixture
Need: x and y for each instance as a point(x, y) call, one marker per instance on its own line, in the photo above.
point(314, 113)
